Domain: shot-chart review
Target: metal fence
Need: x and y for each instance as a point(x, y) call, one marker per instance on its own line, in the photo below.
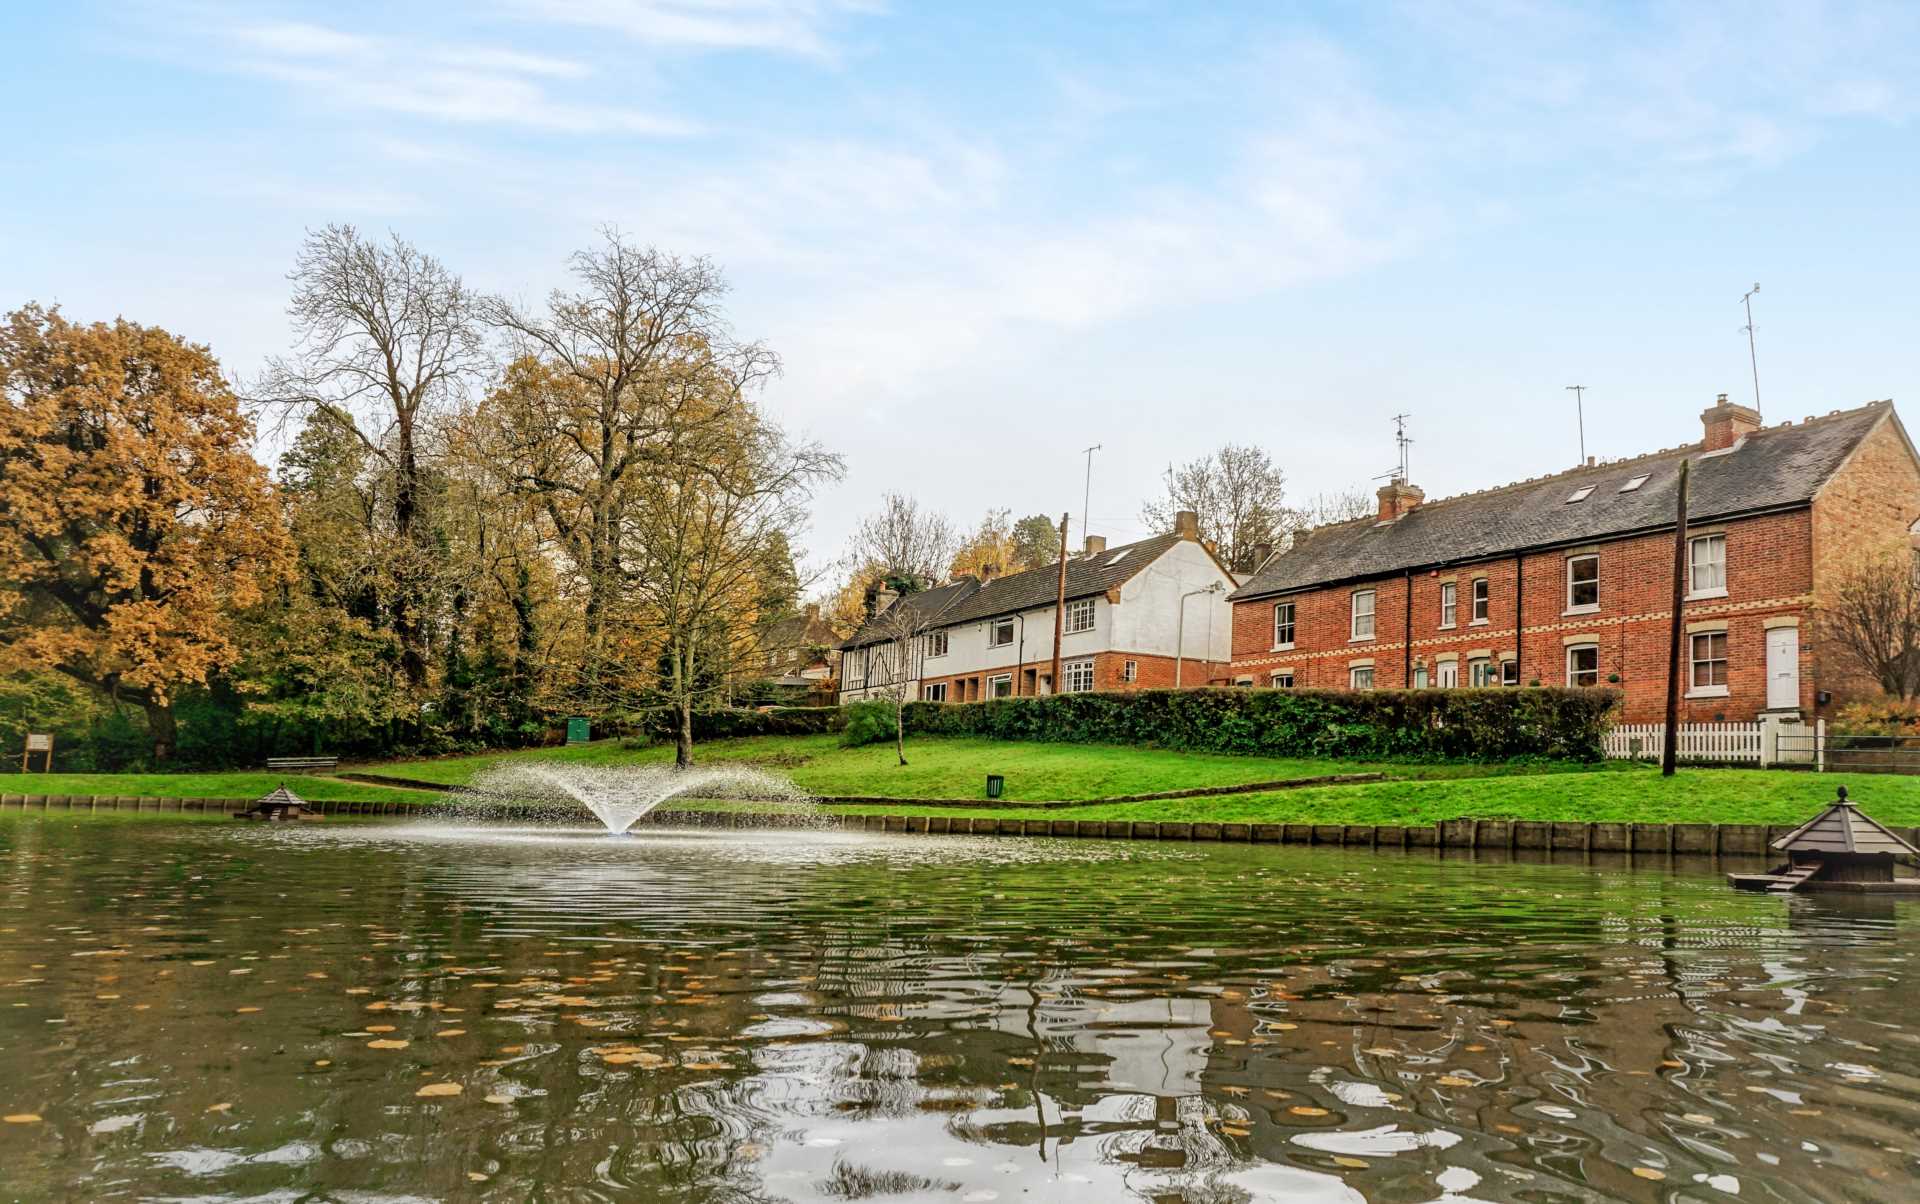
point(1855, 754)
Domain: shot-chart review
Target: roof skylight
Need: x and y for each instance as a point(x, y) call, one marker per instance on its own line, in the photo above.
point(1635, 483)
point(1117, 557)
point(1580, 494)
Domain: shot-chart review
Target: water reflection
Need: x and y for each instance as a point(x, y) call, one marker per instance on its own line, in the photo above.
point(227, 1012)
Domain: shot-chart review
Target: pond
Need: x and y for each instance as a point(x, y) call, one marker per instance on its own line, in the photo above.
point(220, 1011)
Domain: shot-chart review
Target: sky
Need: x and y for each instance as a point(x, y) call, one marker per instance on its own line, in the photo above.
point(983, 237)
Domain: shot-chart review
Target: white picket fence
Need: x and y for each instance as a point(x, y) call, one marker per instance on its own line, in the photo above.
point(1698, 742)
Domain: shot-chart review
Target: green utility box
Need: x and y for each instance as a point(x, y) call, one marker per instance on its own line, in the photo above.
point(578, 730)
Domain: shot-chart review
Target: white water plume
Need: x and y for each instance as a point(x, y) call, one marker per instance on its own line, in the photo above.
point(619, 796)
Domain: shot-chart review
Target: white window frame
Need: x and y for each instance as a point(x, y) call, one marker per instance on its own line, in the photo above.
point(996, 681)
point(1274, 680)
point(934, 692)
point(1480, 672)
point(1582, 608)
point(936, 644)
point(1482, 602)
point(1509, 678)
point(1719, 565)
point(1130, 671)
point(1280, 645)
point(1076, 677)
point(993, 633)
point(1449, 604)
point(1354, 615)
point(1079, 616)
point(1695, 688)
point(1360, 677)
point(1446, 675)
point(1573, 674)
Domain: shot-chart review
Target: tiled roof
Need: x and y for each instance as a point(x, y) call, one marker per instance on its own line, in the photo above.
point(926, 607)
point(1771, 468)
point(1842, 828)
point(1086, 576)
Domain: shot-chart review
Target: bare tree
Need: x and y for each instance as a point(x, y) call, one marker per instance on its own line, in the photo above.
point(1239, 495)
point(386, 336)
point(903, 627)
point(909, 545)
point(1872, 616)
point(1337, 506)
point(608, 380)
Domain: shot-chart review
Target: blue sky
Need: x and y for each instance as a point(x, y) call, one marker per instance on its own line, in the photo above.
point(983, 236)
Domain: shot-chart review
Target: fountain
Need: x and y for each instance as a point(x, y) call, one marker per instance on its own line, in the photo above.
point(621, 796)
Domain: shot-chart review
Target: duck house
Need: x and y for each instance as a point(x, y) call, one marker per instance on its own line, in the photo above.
point(1842, 848)
point(281, 804)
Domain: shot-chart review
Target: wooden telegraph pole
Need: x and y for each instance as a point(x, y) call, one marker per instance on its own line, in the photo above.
point(1060, 605)
point(1671, 741)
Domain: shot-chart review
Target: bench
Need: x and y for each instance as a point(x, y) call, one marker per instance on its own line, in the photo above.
point(302, 763)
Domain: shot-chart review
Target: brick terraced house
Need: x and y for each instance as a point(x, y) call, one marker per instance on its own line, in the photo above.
point(1143, 615)
point(1567, 579)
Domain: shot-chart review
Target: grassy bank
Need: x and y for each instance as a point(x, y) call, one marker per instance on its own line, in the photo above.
point(204, 785)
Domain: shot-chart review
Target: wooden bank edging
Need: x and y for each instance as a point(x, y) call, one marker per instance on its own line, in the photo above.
point(1688, 839)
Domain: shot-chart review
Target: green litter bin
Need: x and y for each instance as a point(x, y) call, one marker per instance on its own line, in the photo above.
point(995, 784)
point(577, 730)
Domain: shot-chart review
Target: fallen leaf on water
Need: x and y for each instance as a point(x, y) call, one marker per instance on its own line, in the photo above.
point(1453, 1080)
point(22, 1118)
point(1343, 1160)
point(1647, 1172)
point(1019, 1061)
point(451, 1032)
point(476, 1177)
point(386, 1044)
point(243, 1011)
point(499, 1099)
point(1231, 1131)
point(432, 1090)
point(1510, 1128)
point(219, 1107)
point(323, 1062)
point(1698, 1118)
point(1304, 1110)
point(379, 1028)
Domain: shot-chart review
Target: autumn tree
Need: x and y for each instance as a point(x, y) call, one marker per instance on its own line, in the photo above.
point(133, 522)
point(387, 337)
point(988, 551)
point(1239, 495)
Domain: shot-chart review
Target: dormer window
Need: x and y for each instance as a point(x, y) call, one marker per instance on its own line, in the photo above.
point(1634, 483)
point(1580, 494)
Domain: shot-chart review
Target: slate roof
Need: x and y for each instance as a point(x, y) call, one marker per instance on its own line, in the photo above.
point(1773, 468)
point(927, 606)
point(1842, 828)
point(1086, 577)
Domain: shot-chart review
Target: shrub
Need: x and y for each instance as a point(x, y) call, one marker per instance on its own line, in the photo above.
point(870, 722)
point(1495, 724)
point(732, 722)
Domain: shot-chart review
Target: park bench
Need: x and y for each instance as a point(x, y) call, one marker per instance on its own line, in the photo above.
point(302, 764)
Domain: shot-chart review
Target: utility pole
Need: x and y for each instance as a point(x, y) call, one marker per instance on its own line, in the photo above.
point(1060, 605)
point(1670, 741)
point(1753, 357)
point(1580, 412)
point(1086, 498)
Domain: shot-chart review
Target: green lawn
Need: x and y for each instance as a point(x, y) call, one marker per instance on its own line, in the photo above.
point(202, 785)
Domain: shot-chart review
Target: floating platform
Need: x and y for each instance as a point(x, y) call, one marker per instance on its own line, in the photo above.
point(1782, 883)
point(282, 804)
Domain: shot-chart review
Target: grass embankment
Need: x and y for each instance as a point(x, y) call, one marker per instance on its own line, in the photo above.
point(1417, 793)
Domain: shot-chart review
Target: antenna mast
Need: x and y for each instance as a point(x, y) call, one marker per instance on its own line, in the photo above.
point(1753, 357)
point(1580, 411)
point(1403, 441)
point(1086, 498)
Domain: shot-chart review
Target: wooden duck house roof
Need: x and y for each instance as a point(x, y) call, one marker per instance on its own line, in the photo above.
point(281, 797)
point(1841, 829)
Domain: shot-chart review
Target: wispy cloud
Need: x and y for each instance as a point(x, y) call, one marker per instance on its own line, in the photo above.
point(787, 26)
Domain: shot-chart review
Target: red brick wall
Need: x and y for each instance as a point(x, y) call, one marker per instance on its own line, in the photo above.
point(1769, 575)
point(1865, 511)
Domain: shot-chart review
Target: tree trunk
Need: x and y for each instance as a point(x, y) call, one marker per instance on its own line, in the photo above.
point(407, 622)
point(900, 731)
point(161, 728)
point(683, 735)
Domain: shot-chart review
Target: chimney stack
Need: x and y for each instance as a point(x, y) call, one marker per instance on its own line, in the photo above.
point(1262, 552)
point(1397, 498)
point(883, 600)
point(1096, 544)
point(1186, 524)
point(1726, 423)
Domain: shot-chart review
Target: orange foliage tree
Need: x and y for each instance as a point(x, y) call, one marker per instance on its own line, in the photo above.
point(133, 521)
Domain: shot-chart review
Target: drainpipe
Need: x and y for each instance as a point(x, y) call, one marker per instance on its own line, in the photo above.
point(1180, 630)
point(1406, 638)
point(1519, 618)
point(1020, 653)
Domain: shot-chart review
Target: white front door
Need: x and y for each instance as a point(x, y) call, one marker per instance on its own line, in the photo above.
point(1783, 668)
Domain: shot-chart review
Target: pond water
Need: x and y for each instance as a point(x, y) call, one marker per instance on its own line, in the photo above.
point(219, 1011)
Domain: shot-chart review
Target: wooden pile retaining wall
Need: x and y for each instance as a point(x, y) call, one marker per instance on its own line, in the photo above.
point(1689, 839)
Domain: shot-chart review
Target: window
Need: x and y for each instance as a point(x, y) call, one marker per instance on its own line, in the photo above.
point(1634, 483)
point(937, 692)
point(1000, 634)
point(1709, 654)
point(1583, 665)
point(1080, 616)
point(1707, 566)
point(1130, 671)
point(1479, 599)
point(1243, 683)
point(1363, 615)
point(1283, 625)
point(1419, 677)
point(1000, 686)
point(1583, 583)
point(1480, 673)
point(1117, 557)
point(1078, 676)
point(1449, 603)
point(1283, 680)
point(1446, 674)
point(936, 643)
point(1509, 673)
point(1361, 678)
point(1580, 495)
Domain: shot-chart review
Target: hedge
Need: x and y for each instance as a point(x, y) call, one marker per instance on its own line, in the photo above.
point(741, 721)
point(1494, 724)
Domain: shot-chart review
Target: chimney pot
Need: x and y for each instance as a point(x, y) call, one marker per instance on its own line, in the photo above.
point(1096, 544)
point(1186, 524)
point(1726, 423)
